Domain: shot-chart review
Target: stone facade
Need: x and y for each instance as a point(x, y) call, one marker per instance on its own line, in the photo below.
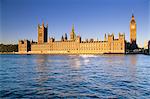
point(75, 45)
point(24, 46)
point(72, 46)
point(42, 33)
point(133, 30)
point(133, 33)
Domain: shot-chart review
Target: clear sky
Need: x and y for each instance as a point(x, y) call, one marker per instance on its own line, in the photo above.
point(91, 18)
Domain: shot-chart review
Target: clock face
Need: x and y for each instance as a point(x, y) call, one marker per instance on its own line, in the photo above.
point(132, 26)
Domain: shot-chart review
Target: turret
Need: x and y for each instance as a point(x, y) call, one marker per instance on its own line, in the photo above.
point(121, 37)
point(42, 24)
point(105, 38)
point(51, 39)
point(62, 38)
point(78, 39)
point(65, 37)
point(110, 37)
point(122, 41)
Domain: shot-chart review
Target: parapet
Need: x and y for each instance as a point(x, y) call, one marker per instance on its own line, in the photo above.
point(24, 41)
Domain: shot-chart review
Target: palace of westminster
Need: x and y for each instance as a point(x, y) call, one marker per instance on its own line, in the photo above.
point(74, 45)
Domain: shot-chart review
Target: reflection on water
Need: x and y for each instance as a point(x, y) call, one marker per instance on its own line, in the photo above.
point(42, 68)
point(74, 61)
point(132, 67)
point(133, 59)
point(75, 76)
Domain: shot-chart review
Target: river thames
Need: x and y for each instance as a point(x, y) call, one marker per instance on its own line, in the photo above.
point(75, 76)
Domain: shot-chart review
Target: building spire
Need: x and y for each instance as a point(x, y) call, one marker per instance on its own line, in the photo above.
point(43, 23)
point(132, 15)
point(65, 36)
point(73, 28)
point(62, 38)
point(105, 38)
point(72, 34)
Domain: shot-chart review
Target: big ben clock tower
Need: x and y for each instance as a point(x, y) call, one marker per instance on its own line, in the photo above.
point(133, 31)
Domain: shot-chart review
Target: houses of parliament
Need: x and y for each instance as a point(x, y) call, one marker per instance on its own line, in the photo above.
point(74, 44)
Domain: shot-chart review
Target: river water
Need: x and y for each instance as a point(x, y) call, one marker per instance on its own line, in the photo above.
point(75, 76)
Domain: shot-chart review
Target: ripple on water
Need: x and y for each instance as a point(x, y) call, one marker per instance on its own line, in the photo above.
point(73, 76)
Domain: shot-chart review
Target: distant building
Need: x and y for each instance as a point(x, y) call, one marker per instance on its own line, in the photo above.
point(74, 45)
point(146, 44)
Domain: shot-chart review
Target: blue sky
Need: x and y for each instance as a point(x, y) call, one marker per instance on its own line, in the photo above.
point(91, 18)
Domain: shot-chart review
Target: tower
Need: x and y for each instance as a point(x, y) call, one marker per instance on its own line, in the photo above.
point(42, 33)
point(133, 30)
point(72, 34)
